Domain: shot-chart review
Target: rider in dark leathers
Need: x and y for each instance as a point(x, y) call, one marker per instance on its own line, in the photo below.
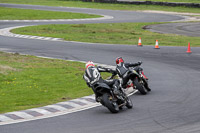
point(92, 76)
point(122, 69)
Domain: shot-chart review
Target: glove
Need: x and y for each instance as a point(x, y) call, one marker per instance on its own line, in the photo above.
point(114, 72)
point(139, 62)
point(109, 70)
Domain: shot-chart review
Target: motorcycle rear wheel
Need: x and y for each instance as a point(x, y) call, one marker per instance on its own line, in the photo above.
point(109, 103)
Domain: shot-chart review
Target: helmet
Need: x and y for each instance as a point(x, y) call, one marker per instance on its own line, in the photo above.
point(119, 60)
point(89, 64)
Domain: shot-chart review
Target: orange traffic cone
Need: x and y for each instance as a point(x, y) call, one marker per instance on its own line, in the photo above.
point(189, 50)
point(140, 42)
point(156, 45)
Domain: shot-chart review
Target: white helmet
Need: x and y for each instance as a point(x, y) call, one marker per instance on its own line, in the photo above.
point(89, 64)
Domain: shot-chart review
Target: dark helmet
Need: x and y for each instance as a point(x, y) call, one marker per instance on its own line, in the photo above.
point(119, 60)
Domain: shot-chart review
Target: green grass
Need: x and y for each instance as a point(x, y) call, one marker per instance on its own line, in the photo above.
point(113, 33)
point(27, 81)
point(69, 3)
point(27, 14)
point(186, 1)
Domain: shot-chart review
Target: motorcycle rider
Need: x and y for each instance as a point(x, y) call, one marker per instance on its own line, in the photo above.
point(92, 75)
point(122, 69)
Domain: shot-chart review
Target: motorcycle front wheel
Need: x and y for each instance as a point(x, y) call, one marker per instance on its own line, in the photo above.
point(109, 103)
point(139, 87)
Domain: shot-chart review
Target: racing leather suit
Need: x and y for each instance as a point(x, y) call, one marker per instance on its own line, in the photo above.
point(92, 76)
point(122, 69)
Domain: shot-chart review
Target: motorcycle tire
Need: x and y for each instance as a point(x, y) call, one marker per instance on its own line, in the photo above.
point(129, 103)
point(109, 103)
point(139, 87)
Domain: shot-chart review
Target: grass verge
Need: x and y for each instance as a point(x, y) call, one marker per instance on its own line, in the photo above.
point(27, 14)
point(28, 81)
point(111, 33)
point(71, 3)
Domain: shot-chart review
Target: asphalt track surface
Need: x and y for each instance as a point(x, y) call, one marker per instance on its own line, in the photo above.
point(172, 107)
point(188, 29)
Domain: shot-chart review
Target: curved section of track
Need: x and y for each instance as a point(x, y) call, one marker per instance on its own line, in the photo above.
point(188, 29)
point(172, 106)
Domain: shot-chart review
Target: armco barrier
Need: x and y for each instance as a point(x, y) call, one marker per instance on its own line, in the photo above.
point(196, 5)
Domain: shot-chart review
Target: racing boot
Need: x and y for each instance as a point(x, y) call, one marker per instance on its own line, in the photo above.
point(149, 89)
point(146, 85)
point(97, 99)
point(116, 90)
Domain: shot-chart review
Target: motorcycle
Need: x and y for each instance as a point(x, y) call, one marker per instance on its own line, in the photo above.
point(104, 94)
point(134, 78)
point(137, 80)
